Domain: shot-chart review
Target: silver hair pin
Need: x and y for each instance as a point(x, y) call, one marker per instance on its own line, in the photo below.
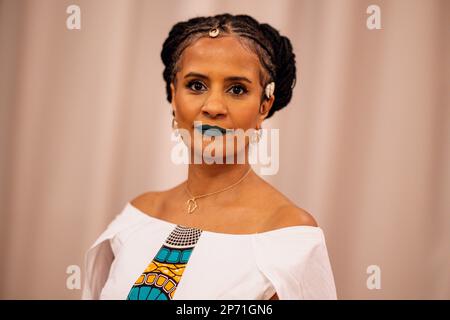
point(214, 32)
point(270, 88)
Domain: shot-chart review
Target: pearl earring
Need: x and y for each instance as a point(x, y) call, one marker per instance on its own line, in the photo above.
point(175, 127)
point(256, 137)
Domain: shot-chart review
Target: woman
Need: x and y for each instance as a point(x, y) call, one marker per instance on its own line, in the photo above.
point(224, 233)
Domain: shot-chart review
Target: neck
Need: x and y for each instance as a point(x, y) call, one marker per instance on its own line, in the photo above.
point(205, 178)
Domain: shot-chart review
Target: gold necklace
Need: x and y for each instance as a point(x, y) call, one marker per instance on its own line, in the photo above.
point(192, 204)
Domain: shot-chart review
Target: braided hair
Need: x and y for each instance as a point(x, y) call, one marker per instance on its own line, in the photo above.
point(274, 51)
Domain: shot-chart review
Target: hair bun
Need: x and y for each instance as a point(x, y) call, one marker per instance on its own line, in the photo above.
point(285, 74)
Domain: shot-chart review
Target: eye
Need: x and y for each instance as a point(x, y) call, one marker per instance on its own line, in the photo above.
point(238, 90)
point(195, 85)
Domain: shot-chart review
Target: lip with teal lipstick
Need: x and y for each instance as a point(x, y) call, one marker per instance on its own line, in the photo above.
point(209, 130)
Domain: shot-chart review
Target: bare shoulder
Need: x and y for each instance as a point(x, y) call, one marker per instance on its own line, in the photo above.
point(145, 201)
point(154, 202)
point(289, 215)
point(294, 215)
point(283, 212)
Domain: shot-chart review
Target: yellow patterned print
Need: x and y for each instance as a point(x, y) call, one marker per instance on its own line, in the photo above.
point(160, 279)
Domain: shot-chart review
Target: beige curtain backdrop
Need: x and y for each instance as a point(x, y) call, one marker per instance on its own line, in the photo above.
point(365, 142)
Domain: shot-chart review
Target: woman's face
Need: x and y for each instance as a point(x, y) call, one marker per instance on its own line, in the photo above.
point(218, 83)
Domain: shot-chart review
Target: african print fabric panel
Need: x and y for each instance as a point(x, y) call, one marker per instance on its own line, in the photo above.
point(160, 279)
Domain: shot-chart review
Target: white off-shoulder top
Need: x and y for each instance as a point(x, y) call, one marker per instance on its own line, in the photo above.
point(140, 257)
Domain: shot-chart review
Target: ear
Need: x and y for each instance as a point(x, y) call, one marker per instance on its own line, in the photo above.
point(265, 107)
point(172, 91)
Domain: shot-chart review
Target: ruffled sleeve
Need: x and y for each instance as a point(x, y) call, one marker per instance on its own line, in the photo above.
point(99, 257)
point(295, 260)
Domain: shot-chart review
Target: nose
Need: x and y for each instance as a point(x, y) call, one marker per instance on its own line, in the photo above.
point(214, 106)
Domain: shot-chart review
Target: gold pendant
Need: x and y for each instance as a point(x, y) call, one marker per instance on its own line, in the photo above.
point(191, 205)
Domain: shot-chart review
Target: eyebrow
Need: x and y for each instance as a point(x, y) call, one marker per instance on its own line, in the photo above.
point(233, 78)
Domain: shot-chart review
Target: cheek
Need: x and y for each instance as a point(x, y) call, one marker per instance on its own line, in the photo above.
point(187, 105)
point(245, 114)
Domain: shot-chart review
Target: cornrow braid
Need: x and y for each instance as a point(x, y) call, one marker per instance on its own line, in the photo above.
point(274, 51)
